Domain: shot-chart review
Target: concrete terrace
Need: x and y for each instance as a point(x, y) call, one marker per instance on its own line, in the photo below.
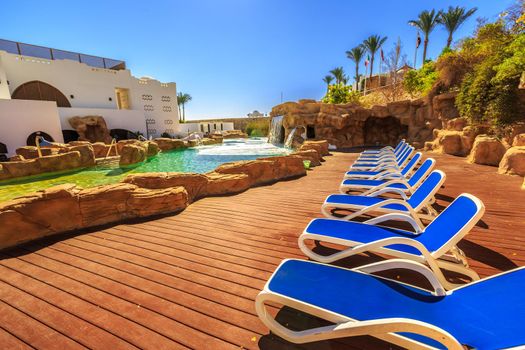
point(189, 280)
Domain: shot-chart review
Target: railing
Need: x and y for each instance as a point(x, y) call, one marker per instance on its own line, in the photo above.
point(22, 49)
point(37, 142)
point(111, 145)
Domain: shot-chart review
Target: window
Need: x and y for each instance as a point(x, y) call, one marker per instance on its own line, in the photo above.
point(122, 98)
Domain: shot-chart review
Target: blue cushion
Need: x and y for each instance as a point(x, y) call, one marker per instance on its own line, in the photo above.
point(360, 232)
point(371, 183)
point(363, 201)
point(365, 165)
point(367, 173)
point(436, 235)
point(411, 163)
point(485, 315)
point(427, 186)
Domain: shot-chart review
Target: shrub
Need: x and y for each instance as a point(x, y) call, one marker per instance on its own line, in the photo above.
point(165, 134)
point(339, 93)
point(420, 82)
point(258, 128)
point(489, 91)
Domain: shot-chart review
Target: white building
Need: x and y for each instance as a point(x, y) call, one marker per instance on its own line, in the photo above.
point(203, 128)
point(41, 88)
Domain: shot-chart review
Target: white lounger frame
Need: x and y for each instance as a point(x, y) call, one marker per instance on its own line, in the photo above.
point(385, 171)
point(370, 191)
point(347, 327)
point(423, 211)
point(389, 160)
point(448, 257)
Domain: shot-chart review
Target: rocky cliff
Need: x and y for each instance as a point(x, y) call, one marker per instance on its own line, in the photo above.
point(349, 125)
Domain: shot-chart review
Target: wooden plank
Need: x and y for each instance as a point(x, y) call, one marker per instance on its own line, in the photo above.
point(190, 280)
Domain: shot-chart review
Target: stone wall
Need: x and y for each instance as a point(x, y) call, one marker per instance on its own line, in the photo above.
point(67, 207)
point(349, 125)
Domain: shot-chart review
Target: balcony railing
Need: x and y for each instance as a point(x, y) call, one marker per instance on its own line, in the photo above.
point(54, 54)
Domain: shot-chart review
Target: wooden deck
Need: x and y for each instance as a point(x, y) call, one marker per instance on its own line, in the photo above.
point(189, 280)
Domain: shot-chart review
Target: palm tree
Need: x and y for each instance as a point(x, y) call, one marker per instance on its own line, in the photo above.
point(372, 44)
point(339, 74)
point(426, 22)
point(356, 55)
point(182, 99)
point(328, 79)
point(453, 19)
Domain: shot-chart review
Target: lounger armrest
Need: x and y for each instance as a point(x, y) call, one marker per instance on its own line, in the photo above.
point(387, 169)
point(380, 205)
point(390, 176)
point(416, 224)
point(388, 183)
point(393, 264)
point(344, 328)
point(389, 190)
point(428, 258)
point(396, 325)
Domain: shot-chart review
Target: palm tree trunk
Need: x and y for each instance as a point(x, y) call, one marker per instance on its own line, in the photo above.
point(371, 65)
point(180, 114)
point(425, 45)
point(356, 76)
point(183, 114)
point(449, 40)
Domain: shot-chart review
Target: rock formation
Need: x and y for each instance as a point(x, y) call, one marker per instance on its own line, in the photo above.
point(349, 125)
point(487, 150)
point(234, 134)
point(67, 207)
point(167, 144)
point(513, 162)
point(91, 128)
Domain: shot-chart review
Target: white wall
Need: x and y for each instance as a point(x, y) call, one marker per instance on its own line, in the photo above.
point(94, 87)
point(131, 120)
point(187, 128)
point(4, 88)
point(203, 127)
point(20, 118)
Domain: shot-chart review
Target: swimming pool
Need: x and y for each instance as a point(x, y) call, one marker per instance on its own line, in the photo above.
point(198, 160)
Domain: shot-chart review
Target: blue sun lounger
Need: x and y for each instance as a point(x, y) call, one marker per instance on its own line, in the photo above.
point(484, 315)
point(389, 153)
point(384, 171)
point(418, 206)
point(396, 162)
point(369, 187)
point(435, 246)
point(384, 150)
point(383, 156)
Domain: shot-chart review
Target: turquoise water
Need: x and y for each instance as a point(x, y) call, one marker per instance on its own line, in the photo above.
point(198, 160)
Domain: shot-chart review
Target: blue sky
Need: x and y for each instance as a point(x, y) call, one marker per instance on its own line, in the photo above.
point(232, 56)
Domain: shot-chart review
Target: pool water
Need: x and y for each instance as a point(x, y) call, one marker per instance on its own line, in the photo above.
point(198, 160)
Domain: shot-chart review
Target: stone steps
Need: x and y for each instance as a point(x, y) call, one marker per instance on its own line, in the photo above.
point(109, 162)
